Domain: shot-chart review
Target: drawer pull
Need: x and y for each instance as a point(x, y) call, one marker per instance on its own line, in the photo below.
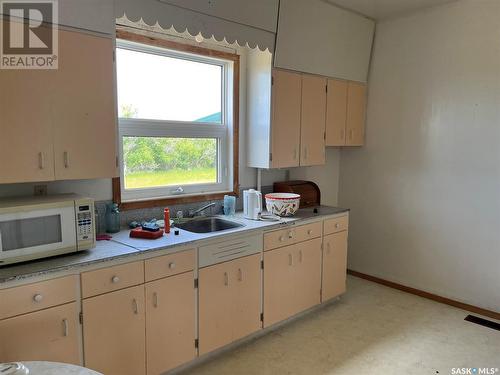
point(290, 234)
point(290, 259)
point(171, 265)
point(37, 298)
point(155, 300)
point(65, 327)
point(309, 232)
point(337, 225)
point(135, 307)
point(282, 238)
point(226, 279)
point(240, 274)
point(115, 279)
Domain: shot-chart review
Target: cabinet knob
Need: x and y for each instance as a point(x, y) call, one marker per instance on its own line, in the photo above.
point(37, 298)
point(171, 265)
point(115, 279)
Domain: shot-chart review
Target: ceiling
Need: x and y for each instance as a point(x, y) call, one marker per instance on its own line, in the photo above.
point(380, 9)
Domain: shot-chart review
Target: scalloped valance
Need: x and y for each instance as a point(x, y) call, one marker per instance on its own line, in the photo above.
point(154, 12)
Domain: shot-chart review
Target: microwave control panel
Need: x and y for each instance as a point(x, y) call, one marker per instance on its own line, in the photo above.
point(85, 223)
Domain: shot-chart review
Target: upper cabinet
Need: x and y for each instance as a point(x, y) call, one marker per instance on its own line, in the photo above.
point(317, 37)
point(61, 124)
point(345, 114)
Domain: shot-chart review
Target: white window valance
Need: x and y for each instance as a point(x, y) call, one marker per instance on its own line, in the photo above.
point(153, 12)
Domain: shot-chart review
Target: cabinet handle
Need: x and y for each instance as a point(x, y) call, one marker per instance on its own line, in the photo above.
point(38, 298)
point(300, 256)
point(290, 259)
point(309, 232)
point(328, 247)
point(135, 307)
point(226, 279)
point(240, 274)
point(282, 238)
point(290, 234)
point(351, 132)
point(337, 225)
point(66, 159)
point(305, 152)
point(65, 327)
point(155, 300)
point(171, 265)
point(115, 279)
point(41, 160)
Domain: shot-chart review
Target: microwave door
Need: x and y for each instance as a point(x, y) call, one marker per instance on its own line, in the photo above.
point(37, 232)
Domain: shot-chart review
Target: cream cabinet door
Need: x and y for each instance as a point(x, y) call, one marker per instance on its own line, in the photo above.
point(229, 302)
point(313, 120)
point(114, 332)
point(26, 143)
point(279, 278)
point(215, 307)
point(285, 126)
point(307, 280)
point(246, 274)
point(46, 335)
point(85, 131)
point(336, 112)
point(356, 113)
point(170, 322)
point(334, 265)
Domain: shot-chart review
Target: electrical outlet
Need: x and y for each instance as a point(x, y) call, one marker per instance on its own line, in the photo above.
point(40, 190)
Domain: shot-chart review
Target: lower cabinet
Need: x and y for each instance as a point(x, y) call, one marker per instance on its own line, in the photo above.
point(113, 332)
point(229, 302)
point(334, 265)
point(292, 280)
point(46, 335)
point(170, 322)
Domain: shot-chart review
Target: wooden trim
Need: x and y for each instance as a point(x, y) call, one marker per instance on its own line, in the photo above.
point(116, 185)
point(433, 297)
point(168, 44)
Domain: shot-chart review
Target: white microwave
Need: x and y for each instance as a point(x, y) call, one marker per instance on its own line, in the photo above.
point(39, 227)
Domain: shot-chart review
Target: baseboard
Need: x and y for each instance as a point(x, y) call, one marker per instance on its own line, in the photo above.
point(421, 293)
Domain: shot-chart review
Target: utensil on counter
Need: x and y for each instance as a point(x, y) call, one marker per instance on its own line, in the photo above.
point(282, 204)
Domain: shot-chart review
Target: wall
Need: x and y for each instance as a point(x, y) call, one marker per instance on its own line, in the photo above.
point(424, 191)
point(326, 177)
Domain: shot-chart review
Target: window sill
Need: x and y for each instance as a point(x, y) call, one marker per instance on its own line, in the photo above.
point(179, 199)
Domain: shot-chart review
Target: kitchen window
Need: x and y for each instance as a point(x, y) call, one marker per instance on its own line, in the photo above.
point(177, 110)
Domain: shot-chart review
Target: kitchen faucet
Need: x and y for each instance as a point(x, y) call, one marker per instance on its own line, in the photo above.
point(201, 209)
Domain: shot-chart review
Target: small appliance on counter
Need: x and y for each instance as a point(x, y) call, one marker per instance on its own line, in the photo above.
point(252, 204)
point(39, 227)
point(310, 195)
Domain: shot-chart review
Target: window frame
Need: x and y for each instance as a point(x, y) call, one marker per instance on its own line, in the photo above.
point(143, 198)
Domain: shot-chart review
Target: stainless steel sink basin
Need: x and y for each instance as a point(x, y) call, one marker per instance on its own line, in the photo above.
point(208, 225)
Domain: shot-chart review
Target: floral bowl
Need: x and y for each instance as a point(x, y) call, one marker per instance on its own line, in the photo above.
point(282, 204)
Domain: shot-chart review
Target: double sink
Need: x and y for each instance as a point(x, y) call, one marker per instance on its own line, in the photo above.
point(208, 224)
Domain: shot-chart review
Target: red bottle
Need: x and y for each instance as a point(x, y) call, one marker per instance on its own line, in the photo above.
point(166, 217)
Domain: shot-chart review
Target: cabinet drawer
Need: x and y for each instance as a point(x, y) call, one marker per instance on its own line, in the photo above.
point(33, 297)
point(279, 238)
point(169, 265)
point(228, 250)
point(308, 231)
point(112, 278)
point(337, 224)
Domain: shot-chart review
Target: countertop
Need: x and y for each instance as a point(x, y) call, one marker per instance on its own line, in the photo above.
point(122, 245)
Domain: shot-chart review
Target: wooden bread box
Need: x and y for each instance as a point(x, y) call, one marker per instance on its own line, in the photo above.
point(310, 195)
